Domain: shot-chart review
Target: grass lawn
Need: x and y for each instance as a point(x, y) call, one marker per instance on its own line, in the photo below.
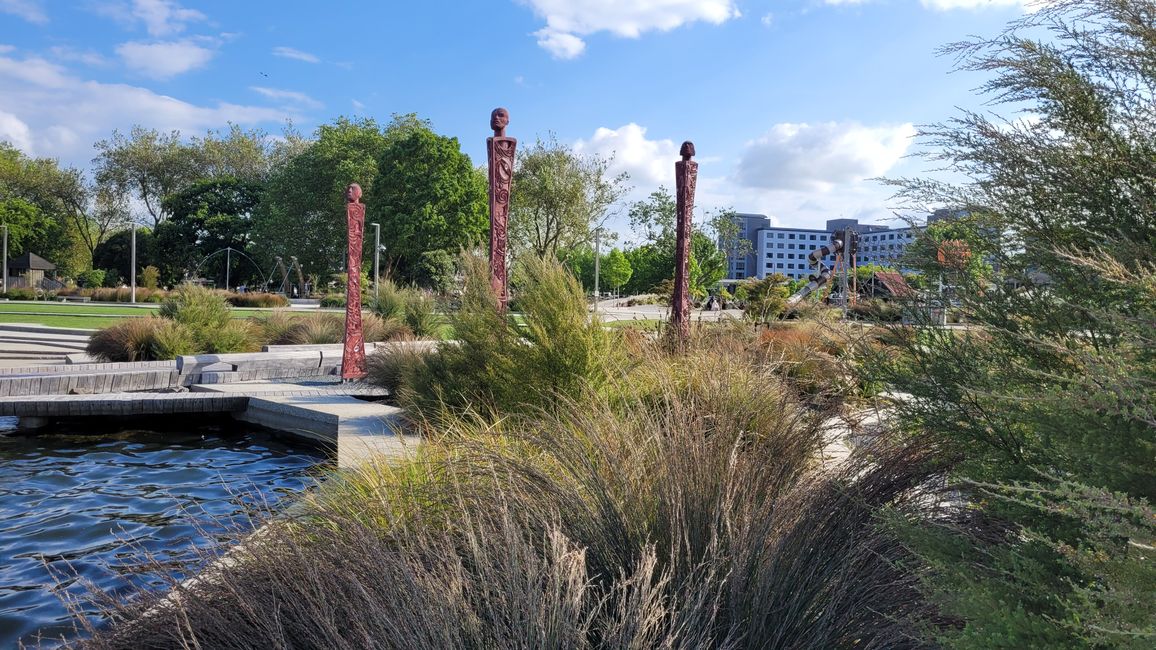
point(644, 325)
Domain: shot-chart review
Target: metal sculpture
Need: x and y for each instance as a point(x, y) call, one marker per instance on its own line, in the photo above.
point(353, 359)
point(685, 179)
point(500, 151)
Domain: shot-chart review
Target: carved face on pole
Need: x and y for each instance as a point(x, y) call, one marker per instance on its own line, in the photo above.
point(353, 193)
point(687, 150)
point(499, 119)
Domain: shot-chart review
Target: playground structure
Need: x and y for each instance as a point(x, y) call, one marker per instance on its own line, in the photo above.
point(844, 245)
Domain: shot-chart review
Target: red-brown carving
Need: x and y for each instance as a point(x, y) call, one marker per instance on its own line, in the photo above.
point(353, 359)
point(500, 151)
point(685, 179)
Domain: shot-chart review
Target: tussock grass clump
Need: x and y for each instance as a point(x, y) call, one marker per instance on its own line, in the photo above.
point(263, 300)
point(653, 521)
point(172, 340)
point(496, 366)
point(128, 340)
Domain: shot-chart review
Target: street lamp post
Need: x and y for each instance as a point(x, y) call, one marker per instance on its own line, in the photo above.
point(376, 259)
point(5, 258)
point(597, 263)
point(132, 270)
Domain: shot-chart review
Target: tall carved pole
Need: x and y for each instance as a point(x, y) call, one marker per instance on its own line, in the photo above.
point(353, 359)
point(685, 178)
point(500, 150)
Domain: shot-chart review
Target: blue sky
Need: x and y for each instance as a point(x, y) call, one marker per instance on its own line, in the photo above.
point(793, 104)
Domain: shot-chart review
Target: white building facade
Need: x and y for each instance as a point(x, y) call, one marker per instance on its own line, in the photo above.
point(786, 250)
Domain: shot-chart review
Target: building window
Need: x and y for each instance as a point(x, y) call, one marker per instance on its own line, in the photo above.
point(780, 265)
point(790, 266)
point(780, 235)
point(780, 244)
point(791, 236)
point(813, 239)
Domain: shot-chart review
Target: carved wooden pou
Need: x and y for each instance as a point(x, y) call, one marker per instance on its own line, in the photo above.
point(353, 359)
point(685, 178)
point(500, 151)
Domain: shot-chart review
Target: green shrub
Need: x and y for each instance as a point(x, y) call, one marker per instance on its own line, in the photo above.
point(149, 276)
point(495, 366)
point(171, 340)
point(128, 340)
point(376, 329)
point(316, 329)
point(390, 301)
point(91, 279)
point(333, 300)
point(421, 314)
point(259, 300)
point(199, 309)
point(21, 294)
point(235, 336)
point(276, 327)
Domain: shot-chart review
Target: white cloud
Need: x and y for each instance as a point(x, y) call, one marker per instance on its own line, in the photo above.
point(768, 19)
point(29, 10)
point(15, 131)
point(357, 106)
point(821, 156)
point(64, 114)
point(649, 162)
point(291, 53)
point(71, 54)
point(288, 97)
point(159, 17)
point(947, 5)
point(569, 20)
point(164, 60)
point(807, 201)
point(560, 44)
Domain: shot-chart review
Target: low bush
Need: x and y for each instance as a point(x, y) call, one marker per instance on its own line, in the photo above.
point(314, 329)
point(275, 328)
point(171, 340)
point(377, 329)
point(90, 279)
point(497, 366)
point(21, 294)
point(201, 310)
point(235, 336)
point(258, 300)
point(129, 340)
point(421, 314)
point(390, 301)
point(333, 300)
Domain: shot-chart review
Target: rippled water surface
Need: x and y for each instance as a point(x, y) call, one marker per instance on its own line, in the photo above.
point(84, 506)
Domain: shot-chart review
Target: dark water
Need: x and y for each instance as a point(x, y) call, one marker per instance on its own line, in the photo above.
point(88, 506)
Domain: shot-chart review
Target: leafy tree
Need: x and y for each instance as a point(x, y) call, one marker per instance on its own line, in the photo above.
point(614, 269)
point(207, 217)
point(246, 155)
point(655, 218)
point(147, 165)
point(765, 299)
point(1045, 415)
point(83, 215)
point(957, 249)
point(428, 196)
point(115, 253)
point(559, 197)
point(302, 213)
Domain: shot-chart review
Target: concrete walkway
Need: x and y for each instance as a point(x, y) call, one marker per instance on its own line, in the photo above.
point(34, 345)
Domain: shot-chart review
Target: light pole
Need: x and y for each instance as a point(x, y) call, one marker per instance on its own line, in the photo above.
point(228, 263)
point(132, 270)
point(5, 258)
point(376, 258)
point(597, 263)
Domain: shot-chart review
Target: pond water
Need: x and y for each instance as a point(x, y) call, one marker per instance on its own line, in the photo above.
point(87, 506)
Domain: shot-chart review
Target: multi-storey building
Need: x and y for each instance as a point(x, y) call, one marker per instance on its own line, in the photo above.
point(786, 250)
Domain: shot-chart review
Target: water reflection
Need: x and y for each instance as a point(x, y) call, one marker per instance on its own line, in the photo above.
point(82, 508)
